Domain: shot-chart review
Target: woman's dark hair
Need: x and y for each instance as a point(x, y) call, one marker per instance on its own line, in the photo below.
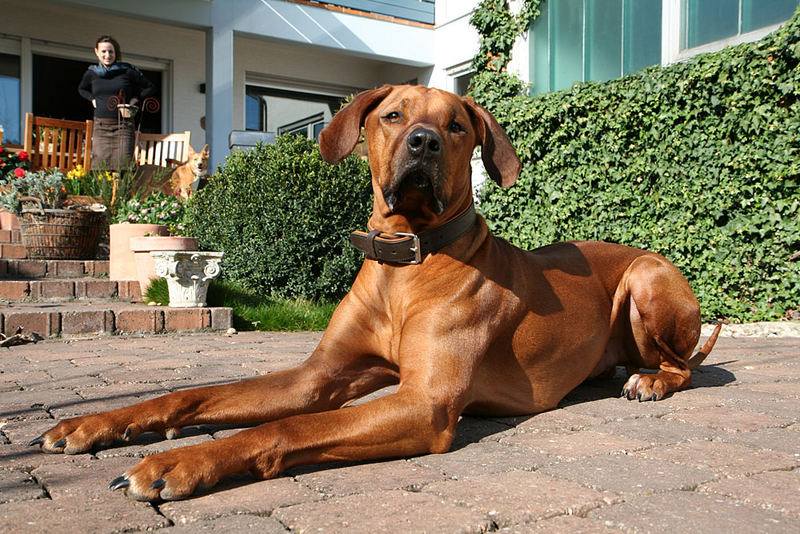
point(114, 43)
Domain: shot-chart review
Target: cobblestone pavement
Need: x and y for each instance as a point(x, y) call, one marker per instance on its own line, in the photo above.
point(720, 457)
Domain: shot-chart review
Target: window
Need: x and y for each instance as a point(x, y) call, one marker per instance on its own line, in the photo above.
point(582, 40)
point(706, 21)
point(461, 83)
point(10, 98)
point(288, 112)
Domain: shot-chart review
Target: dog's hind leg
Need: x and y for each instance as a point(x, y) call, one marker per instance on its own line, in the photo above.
point(664, 319)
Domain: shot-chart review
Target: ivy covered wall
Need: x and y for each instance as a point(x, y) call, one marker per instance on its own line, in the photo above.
point(698, 161)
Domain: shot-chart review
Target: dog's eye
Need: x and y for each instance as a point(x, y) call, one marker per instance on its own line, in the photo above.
point(455, 127)
point(393, 116)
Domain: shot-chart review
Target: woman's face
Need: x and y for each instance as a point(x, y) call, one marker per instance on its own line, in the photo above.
point(105, 53)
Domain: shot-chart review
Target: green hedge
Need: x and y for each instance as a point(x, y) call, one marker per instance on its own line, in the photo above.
point(698, 161)
point(283, 218)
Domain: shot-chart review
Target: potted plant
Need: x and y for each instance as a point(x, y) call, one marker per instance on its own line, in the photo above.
point(49, 231)
point(143, 225)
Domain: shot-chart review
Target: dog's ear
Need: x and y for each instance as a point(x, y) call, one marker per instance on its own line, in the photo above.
point(498, 155)
point(206, 151)
point(340, 137)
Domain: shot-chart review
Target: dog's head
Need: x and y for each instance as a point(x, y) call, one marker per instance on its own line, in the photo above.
point(198, 161)
point(420, 144)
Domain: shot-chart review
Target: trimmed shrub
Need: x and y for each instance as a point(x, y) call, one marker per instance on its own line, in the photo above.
point(283, 218)
point(698, 161)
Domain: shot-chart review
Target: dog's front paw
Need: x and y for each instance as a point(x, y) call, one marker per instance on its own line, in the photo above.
point(82, 434)
point(172, 475)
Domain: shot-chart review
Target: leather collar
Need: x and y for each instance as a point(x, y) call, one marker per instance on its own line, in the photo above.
point(412, 248)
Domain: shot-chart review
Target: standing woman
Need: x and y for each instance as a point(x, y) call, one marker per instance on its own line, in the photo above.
point(113, 86)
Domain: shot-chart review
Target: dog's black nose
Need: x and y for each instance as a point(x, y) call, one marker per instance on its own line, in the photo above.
point(423, 142)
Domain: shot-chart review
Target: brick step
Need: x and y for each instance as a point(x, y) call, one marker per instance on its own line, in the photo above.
point(13, 250)
point(69, 289)
point(25, 269)
point(10, 236)
point(82, 319)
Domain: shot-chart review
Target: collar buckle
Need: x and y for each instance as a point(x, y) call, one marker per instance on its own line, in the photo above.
point(416, 249)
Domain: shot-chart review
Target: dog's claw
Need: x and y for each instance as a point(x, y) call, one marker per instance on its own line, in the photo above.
point(654, 397)
point(127, 434)
point(60, 443)
point(119, 482)
point(37, 441)
point(158, 484)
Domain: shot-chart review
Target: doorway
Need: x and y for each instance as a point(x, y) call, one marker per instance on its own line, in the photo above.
point(55, 92)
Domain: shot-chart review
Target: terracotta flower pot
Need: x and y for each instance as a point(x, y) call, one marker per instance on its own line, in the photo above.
point(145, 264)
point(8, 221)
point(122, 261)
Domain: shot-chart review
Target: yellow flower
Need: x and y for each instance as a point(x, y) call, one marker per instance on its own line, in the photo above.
point(77, 172)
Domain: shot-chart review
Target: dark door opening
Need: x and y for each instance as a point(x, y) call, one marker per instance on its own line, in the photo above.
point(55, 92)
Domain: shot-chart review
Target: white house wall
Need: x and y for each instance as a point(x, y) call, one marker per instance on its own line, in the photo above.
point(279, 65)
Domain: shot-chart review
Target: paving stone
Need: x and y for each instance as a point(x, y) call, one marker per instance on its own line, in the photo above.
point(572, 445)
point(565, 523)
point(617, 408)
point(728, 419)
point(657, 431)
point(775, 490)
point(784, 389)
point(80, 483)
point(367, 478)
point(519, 496)
point(725, 459)
point(472, 429)
point(19, 456)
point(624, 474)
point(233, 524)
point(703, 514)
point(388, 511)
point(152, 443)
point(18, 486)
point(557, 421)
point(482, 458)
point(239, 495)
point(16, 404)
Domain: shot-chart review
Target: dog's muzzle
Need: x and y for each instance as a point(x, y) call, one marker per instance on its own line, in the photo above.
point(420, 169)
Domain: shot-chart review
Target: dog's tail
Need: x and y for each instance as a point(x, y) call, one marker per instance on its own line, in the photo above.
point(697, 359)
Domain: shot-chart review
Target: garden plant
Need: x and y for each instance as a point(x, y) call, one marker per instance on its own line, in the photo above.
point(283, 218)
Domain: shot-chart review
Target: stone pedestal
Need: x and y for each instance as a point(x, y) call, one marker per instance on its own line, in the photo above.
point(143, 246)
point(188, 274)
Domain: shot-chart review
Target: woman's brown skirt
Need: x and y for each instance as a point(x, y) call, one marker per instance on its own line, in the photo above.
point(112, 143)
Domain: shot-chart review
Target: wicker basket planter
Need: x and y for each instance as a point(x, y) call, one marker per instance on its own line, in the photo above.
point(55, 234)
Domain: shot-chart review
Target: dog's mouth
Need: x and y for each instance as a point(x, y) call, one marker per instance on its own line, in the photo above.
point(418, 186)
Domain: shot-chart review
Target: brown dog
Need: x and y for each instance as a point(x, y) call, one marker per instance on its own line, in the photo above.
point(178, 181)
point(461, 320)
point(193, 170)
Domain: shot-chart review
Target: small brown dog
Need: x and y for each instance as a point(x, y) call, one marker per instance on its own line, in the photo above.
point(193, 170)
point(176, 182)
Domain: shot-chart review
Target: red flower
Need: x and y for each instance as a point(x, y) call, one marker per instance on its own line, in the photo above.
point(23, 156)
point(19, 172)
